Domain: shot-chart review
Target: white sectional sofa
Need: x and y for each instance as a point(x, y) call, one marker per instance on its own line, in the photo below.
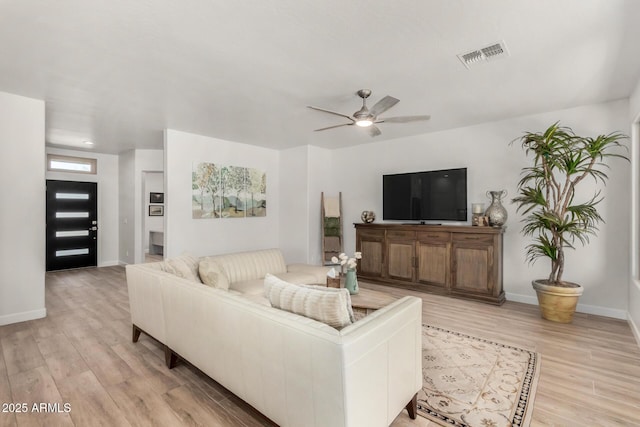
point(245, 271)
point(294, 370)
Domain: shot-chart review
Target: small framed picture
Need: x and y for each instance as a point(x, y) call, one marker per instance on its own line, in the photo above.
point(156, 197)
point(156, 210)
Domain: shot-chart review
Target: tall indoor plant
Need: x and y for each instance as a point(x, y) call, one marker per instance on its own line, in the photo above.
point(553, 217)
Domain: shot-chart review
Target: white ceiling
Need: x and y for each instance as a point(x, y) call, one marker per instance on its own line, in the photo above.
point(119, 71)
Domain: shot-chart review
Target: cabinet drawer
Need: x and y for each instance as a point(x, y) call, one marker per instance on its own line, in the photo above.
point(401, 235)
point(472, 238)
point(434, 236)
point(374, 235)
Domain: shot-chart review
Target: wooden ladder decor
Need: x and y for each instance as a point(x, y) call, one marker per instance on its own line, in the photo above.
point(331, 223)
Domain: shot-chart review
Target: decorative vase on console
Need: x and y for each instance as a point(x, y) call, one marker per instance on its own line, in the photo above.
point(368, 217)
point(496, 212)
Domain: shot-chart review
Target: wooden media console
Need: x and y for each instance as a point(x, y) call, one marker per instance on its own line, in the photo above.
point(461, 261)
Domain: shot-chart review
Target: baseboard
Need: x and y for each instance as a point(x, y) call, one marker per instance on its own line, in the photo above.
point(602, 311)
point(634, 329)
point(581, 308)
point(23, 317)
point(526, 299)
point(108, 263)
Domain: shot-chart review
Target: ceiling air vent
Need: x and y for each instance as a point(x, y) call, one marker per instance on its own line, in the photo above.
point(491, 52)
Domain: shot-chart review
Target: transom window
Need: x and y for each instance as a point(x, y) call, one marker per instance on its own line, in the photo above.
point(58, 163)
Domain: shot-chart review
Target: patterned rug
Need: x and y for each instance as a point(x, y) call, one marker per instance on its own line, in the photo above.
point(471, 381)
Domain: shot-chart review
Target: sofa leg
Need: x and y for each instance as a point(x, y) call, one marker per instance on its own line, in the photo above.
point(170, 358)
point(412, 407)
point(136, 333)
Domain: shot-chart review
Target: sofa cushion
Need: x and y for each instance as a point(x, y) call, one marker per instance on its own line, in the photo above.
point(327, 305)
point(185, 266)
point(309, 274)
point(256, 286)
point(243, 266)
point(213, 274)
point(248, 287)
point(161, 266)
point(297, 278)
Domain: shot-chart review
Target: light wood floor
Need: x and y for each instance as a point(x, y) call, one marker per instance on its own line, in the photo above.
point(82, 354)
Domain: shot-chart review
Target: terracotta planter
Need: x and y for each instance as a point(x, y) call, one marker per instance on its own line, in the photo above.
point(557, 303)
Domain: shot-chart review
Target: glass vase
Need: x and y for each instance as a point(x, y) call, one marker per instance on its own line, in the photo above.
point(351, 281)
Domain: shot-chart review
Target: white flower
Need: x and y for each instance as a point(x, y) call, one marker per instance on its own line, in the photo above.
point(343, 259)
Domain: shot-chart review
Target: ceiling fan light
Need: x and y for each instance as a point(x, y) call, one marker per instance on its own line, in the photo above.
point(364, 123)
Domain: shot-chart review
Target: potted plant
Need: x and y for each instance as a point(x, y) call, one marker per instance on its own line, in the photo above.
point(554, 218)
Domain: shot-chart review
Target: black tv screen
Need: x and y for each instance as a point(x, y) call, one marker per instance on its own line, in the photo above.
point(425, 196)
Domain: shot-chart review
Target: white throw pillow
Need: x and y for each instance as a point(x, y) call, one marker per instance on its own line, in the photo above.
point(185, 266)
point(327, 305)
point(166, 267)
point(213, 274)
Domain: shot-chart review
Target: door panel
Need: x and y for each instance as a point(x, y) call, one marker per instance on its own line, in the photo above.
point(72, 224)
point(401, 263)
point(471, 268)
point(370, 243)
point(433, 263)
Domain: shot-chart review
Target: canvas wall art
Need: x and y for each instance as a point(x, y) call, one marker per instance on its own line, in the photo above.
point(228, 191)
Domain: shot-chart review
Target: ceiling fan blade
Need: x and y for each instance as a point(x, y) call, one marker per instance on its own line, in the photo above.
point(330, 112)
point(335, 126)
point(403, 119)
point(383, 105)
point(373, 130)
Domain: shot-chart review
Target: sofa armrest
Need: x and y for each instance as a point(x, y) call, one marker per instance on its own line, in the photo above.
point(383, 362)
point(145, 299)
point(319, 272)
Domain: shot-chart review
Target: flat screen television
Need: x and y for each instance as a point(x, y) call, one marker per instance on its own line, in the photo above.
point(425, 196)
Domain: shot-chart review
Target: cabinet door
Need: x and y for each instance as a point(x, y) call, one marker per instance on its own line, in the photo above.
point(370, 243)
point(401, 264)
point(473, 260)
point(433, 249)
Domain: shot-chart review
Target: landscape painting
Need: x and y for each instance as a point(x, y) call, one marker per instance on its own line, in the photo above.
point(205, 187)
point(256, 192)
point(228, 191)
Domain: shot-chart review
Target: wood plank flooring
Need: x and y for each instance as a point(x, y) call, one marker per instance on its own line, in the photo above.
point(82, 354)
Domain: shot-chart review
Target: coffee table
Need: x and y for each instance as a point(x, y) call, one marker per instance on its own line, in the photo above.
point(366, 301)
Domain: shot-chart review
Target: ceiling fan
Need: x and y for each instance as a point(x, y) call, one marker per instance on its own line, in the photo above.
point(368, 118)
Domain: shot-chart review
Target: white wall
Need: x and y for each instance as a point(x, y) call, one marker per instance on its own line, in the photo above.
point(305, 172)
point(320, 180)
point(126, 206)
point(106, 177)
point(133, 164)
point(22, 217)
point(634, 282)
point(144, 161)
point(602, 268)
point(214, 236)
point(153, 182)
point(294, 206)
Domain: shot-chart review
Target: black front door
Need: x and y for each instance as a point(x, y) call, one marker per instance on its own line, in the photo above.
point(72, 224)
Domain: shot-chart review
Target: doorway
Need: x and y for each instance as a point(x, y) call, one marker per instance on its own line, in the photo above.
point(72, 224)
point(153, 210)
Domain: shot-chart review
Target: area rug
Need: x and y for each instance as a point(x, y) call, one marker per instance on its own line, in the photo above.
point(469, 381)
